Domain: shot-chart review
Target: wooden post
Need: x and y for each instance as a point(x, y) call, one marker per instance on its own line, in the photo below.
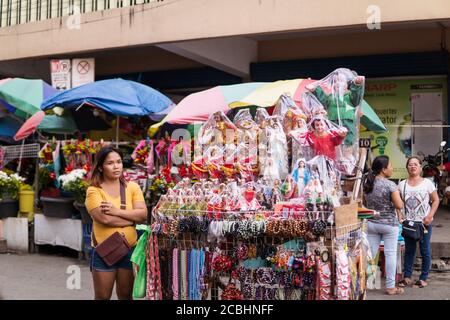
point(359, 174)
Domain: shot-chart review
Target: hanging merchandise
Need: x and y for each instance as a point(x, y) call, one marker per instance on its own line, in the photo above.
point(154, 289)
point(256, 221)
point(343, 275)
point(138, 259)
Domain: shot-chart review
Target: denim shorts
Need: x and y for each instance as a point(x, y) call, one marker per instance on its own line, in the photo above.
point(98, 264)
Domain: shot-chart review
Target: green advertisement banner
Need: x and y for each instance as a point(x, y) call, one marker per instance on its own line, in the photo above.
point(390, 98)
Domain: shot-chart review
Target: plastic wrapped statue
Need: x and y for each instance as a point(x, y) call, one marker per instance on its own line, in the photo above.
point(270, 171)
point(276, 193)
point(287, 188)
point(210, 165)
point(324, 173)
point(246, 162)
point(247, 129)
point(218, 130)
point(300, 175)
point(247, 140)
point(248, 200)
point(341, 92)
point(292, 117)
point(312, 106)
point(261, 119)
point(345, 92)
point(272, 143)
point(323, 137)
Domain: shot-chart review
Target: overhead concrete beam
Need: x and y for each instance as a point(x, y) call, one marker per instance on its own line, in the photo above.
point(232, 55)
point(173, 21)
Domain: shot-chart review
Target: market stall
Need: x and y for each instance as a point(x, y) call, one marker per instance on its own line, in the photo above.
point(261, 214)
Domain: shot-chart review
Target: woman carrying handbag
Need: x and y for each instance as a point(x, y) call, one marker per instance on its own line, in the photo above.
point(417, 193)
point(115, 206)
point(382, 195)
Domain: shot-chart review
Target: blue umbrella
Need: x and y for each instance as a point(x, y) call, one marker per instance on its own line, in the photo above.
point(117, 96)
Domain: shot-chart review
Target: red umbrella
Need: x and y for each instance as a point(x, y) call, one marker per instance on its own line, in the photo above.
point(29, 126)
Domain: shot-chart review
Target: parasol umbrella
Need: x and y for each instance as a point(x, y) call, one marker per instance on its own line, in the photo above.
point(370, 119)
point(268, 95)
point(29, 126)
point(21, 98)
point(115, 96)
point(197, 107)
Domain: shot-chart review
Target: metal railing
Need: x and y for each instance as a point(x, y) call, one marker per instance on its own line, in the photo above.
point(13, 12)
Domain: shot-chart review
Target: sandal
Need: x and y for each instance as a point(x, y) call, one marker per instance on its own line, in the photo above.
point(394, 291)
point(420, 284)
point(406, 282)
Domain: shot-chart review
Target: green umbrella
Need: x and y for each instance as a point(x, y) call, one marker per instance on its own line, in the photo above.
point(370, 119)
point(22, 98)
point(56, 124)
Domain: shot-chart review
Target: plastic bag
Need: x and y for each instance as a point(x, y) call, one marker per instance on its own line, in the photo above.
point(292, 117)
point(322, 138)
point(138, 258)
point(272, 144)
point(218, 130)
point(323, 172)
point(341, 93)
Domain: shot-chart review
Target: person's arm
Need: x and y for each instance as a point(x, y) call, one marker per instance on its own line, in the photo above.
point(356, 91)
point(109, 220)
point(434, 206)
point(321, 96)
point(138, 214)
point(93, 204)
point(397, 200)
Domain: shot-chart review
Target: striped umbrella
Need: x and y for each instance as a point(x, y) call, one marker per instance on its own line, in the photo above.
point(197, 107)
point(22, 98)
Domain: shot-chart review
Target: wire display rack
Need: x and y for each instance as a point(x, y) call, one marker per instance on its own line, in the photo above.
point(215, 282)
point(21, 151)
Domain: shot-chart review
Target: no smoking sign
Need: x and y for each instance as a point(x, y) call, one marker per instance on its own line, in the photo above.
point(83, 67)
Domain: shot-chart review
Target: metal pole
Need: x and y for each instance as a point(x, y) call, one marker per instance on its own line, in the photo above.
point(20, 158)
point(117, 133)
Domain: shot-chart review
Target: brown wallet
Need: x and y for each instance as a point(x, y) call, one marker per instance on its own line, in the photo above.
point(115, 247)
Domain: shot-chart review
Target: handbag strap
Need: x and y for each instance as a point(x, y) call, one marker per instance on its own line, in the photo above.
point(123, 197)
point(123, 206)
point(404, 197)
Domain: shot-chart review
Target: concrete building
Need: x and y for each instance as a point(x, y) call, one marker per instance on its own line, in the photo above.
point(180, 46)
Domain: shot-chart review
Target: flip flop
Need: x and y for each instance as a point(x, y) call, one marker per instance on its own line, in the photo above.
point(406, 282)
point(420, 284)
point(394, 291)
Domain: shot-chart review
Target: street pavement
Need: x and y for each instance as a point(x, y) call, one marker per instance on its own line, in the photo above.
point(50, 276)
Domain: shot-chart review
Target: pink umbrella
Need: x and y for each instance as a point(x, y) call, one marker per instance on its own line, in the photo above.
point(29, 126)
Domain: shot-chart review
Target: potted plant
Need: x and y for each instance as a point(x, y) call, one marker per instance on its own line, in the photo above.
point(10, 184)
point(75, 183)
point(55, 205)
